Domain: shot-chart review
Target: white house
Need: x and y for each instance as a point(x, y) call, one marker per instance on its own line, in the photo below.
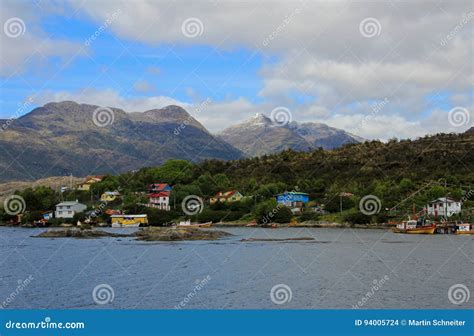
point(68, 209)
point(160, 200)
point(443, 207)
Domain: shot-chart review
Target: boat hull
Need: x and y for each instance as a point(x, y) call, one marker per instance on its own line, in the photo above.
point(194, 226)
point(464, 232)
point(428, 230)
point(118, 225)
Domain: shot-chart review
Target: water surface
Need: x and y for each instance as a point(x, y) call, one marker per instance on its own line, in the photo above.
point(337, 270)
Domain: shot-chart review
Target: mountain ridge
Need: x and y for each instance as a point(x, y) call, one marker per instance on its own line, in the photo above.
point(274, 137)
point(65, 138)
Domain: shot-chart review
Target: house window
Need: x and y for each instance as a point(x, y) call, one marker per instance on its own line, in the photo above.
point(69, 212)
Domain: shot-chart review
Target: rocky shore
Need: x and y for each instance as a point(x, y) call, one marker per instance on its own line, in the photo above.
point(146, 234)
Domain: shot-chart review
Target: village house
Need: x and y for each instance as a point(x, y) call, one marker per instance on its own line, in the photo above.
point(159, 196)
point(89, 181)
point(294, 200)
point(69, 209)
point(109, 196)
point(443, 207)
point(226, 196)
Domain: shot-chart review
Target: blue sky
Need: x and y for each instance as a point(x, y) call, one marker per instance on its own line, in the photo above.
point(317, 59)
point(185, 73)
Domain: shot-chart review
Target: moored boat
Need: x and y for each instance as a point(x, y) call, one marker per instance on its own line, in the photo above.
point(121, 221)
point(252, 224)
point(464, 228)
point(414, 227)
point(187, 225)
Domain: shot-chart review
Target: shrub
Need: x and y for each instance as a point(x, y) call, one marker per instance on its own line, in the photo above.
point(309, 216)
point(356, 217)
point(270, 211)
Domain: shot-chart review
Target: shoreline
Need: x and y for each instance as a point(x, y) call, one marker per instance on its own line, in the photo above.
point(308, 224)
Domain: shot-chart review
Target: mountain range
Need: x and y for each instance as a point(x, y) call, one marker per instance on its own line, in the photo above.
point(65, 138)
point(260, 135)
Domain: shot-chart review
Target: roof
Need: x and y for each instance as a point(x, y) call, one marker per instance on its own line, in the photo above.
point(159, 194)
point(443, 199)
point(114, 193)
point(226, 194)
point(293, 193)
point(68, 203)
point(95, 177)
point(159, 186)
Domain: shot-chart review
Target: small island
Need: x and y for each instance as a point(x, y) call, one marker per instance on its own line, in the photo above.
point(146, 234)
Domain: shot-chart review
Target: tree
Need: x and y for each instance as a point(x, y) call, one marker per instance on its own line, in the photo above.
point(283, 215)
point(270, 211)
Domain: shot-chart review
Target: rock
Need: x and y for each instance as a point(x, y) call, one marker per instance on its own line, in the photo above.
point(78, 233)
point(146, 234)
point(173, 234)
point(275, 239)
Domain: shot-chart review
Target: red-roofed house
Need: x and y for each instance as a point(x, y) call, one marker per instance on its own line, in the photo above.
point(226, 196)
point(159, 200)
point(159, 196)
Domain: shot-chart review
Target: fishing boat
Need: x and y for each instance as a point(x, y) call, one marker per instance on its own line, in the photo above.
point(415, 227)
point(464, 228)
point(188, 225)
point(121, 221)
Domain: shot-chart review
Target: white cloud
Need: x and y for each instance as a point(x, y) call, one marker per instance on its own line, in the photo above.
point(29, 45)
point(143, 86)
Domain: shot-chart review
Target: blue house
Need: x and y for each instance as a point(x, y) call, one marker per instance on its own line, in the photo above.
point(294, 200)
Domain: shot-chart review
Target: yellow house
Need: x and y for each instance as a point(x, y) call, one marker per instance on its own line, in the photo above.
point(227, 196)
point(109, 196)
point(90, 180)
point(128, 220)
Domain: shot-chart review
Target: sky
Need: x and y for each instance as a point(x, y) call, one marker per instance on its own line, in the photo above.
point(381, 70)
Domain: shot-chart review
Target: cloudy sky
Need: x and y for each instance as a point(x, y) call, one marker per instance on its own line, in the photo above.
point(378, 69)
